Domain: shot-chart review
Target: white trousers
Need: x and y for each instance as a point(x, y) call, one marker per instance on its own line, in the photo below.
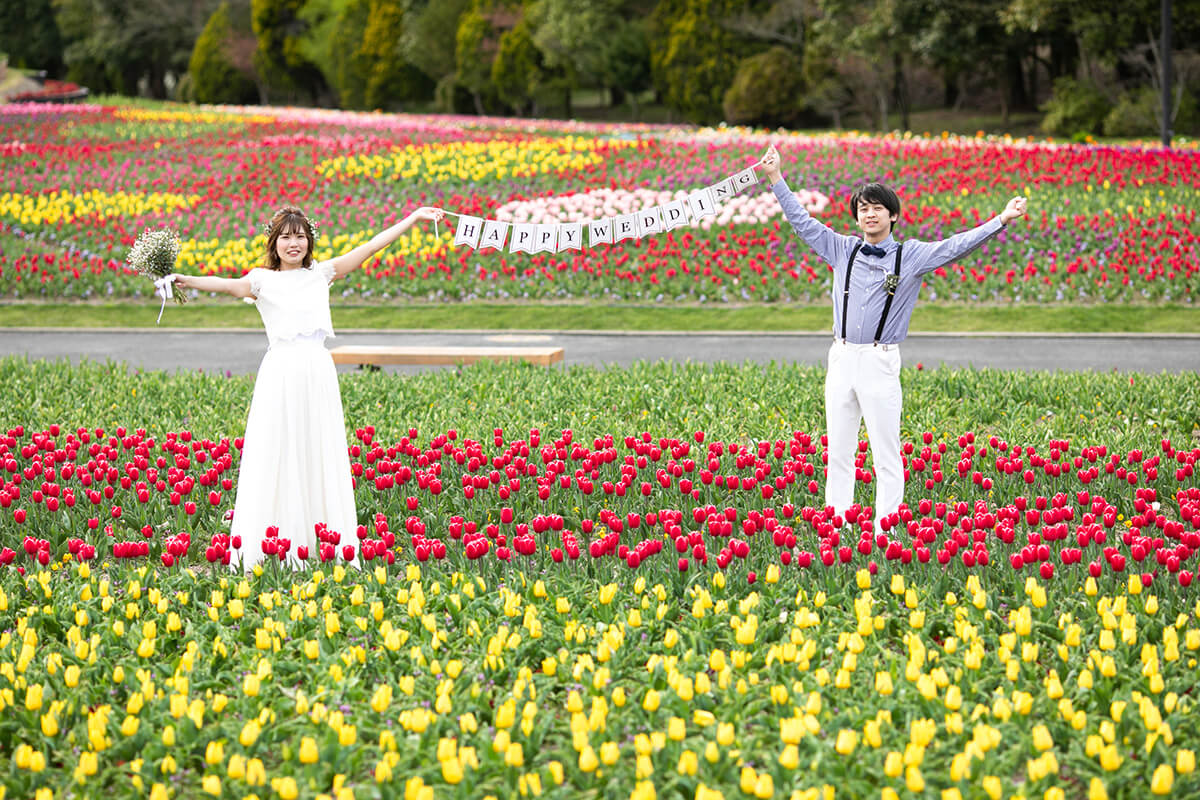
point(863, 384)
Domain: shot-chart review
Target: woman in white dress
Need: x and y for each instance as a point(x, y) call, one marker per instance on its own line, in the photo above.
point(295, 469)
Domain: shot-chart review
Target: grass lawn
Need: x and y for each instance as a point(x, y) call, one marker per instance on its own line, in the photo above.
point(1168, 319)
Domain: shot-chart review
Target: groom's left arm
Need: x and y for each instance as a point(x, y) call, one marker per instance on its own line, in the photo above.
point(928, 256)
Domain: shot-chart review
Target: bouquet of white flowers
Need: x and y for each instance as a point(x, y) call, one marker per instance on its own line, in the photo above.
point(154, 255)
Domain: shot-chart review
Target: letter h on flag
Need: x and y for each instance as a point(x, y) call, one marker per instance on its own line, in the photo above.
point(468, 231)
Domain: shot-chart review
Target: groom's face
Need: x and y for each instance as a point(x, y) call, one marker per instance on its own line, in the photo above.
point(874, 218)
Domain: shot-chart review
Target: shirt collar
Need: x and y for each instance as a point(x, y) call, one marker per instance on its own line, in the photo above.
point(888, 244)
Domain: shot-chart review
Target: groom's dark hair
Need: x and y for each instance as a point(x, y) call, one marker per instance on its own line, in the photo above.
point(876, 193)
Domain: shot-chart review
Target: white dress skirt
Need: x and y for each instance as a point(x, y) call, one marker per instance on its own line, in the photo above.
point(295, 469)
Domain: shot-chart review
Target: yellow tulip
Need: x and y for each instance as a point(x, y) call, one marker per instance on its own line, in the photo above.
point(1041, 737)
point(308, 751)
point(1164, 777)
point(913, 780)
point(452, 771)
point(249, 734)
point(287, 788)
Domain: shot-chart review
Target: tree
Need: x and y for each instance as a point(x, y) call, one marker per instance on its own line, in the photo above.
point(626, 70)
point(280, 59)
point(850, 60)
point(767, 90)
point(390, 79)
point(339, 54)
point(215, 78)
point(125, 45)
point(346, 55)
point(477, 44)
point(428, 40)
point(699, 57)
point(571, 37)
point(29, 35)
point(516, 70)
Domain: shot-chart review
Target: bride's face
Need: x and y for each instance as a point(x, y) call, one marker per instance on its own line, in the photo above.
point(291, 247)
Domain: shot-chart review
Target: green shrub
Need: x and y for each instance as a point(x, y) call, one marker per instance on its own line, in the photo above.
point(767, 90)
point(1136, 114)
point(1075, 108)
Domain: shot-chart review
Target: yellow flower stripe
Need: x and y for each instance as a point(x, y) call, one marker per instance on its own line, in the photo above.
point(55, 207)
point(498, 159)
point(201, 117)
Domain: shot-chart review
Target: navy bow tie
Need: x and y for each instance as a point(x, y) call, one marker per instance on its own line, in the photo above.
point(872, 250)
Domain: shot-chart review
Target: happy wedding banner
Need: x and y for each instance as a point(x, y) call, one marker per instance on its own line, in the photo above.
point(483, 234)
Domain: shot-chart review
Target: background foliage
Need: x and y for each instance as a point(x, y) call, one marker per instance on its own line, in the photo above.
point(1092, 68)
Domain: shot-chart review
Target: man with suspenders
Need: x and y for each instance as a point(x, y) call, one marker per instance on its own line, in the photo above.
point(875, 286)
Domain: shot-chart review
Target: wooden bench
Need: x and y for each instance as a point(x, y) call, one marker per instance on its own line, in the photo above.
point(378, 355)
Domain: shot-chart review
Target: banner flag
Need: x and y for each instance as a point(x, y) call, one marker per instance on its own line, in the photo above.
point(722, 191)
point(702, 204)
point(746, 179)
point(624, 227)
point(650, 221)
point(468, 231)
point(600, 231)
point(494, 235)
point(547, 239)
point(674, 215)
point(570, 236)
point(522, 238)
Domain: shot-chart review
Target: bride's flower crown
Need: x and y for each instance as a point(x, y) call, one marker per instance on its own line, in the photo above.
point(312, 226)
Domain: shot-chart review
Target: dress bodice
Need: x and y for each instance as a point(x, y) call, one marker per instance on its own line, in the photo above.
point(294, 302)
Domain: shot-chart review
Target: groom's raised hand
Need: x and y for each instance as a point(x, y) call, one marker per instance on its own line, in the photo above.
point(770, 164)
point(1014, 209)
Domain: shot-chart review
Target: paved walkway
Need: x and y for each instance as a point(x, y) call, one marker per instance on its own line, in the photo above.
point(240, 351)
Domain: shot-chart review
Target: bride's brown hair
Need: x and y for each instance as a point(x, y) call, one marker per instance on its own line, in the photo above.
point(289, 219)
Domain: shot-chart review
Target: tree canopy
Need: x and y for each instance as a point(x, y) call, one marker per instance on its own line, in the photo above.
point(753, 61)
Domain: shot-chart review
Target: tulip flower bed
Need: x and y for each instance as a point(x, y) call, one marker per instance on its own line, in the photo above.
point(634, 592)
point(1107, 223)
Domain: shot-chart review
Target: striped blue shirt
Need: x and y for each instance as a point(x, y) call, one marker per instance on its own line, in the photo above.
point(867, 292)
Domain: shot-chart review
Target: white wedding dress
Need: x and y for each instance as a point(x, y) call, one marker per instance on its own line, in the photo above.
point(295, 469)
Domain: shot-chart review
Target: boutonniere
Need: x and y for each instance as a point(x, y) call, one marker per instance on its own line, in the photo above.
point(891, 282)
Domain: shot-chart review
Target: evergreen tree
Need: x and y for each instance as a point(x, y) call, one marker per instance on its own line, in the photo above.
point(517, 67)
point(699, 58)
point(280, 60)
point(390, 79)
point(477, 43)
point(347, 70)
point(214, 77)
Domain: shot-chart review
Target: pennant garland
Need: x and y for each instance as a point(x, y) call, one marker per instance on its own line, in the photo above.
point(484, 234)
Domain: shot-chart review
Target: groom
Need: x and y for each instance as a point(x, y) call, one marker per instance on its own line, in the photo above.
point(876, 281)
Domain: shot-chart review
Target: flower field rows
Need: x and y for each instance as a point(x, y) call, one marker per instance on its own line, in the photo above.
point(644, 599)
point(1107, 223)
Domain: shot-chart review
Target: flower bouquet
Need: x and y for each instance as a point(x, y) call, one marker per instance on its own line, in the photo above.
point(154, 255)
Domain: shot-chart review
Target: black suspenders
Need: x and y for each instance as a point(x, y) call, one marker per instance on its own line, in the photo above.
point(891, 292)
point(887, 304)
point(846, 290)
